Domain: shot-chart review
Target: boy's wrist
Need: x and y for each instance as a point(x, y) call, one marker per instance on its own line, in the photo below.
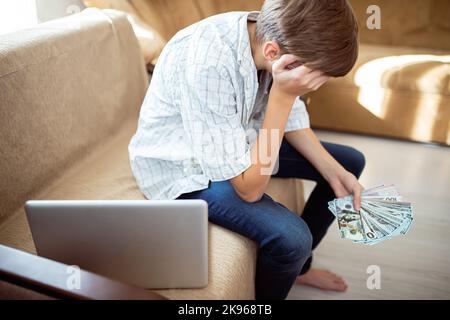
point(331, 171)
point(282, 98)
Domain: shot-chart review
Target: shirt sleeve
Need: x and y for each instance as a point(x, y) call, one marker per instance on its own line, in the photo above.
point(299, 118)
point(212, 123)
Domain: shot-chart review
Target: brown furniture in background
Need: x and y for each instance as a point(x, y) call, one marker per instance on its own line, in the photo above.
point(400, 86)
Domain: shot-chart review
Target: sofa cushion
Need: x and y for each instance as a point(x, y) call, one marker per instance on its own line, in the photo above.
point(405, 69)
point(395, 92)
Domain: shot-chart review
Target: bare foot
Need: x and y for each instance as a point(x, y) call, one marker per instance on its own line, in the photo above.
point(322, 279)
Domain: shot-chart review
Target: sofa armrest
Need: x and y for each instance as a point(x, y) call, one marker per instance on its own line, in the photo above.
point(66, 87)
point(49, 278)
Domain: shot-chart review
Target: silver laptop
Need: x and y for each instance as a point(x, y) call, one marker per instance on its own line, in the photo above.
point(149, 243)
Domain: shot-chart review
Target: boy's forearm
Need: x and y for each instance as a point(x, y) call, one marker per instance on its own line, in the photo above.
point(307, 143)
point(252, 183)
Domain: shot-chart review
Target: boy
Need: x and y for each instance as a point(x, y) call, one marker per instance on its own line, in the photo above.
point(231, 75)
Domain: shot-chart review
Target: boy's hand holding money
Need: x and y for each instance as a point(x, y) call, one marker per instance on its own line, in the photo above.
point(344, 183)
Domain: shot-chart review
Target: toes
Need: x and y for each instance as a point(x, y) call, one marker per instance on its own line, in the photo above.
point(340, 286)
point(341, 280)
point(323, 279)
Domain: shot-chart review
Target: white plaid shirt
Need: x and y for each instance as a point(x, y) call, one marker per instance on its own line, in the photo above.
point(203, 109)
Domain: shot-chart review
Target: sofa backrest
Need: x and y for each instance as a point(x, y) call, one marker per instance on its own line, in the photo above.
point(65, 87)
point(407, 23)
point(415, 23)
point(150, 40)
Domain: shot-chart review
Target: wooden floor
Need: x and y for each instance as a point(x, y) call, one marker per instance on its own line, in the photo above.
point(413, 267)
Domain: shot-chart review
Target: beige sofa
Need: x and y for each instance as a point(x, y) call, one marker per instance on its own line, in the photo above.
point(70, 93)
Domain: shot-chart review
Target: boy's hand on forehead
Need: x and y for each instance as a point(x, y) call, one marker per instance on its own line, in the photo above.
point(294, 65)
point(292, 78)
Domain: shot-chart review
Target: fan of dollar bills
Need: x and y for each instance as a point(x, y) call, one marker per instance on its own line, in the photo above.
point(383, 215)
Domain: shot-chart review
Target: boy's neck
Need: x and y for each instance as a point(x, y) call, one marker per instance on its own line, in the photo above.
point(258, 57)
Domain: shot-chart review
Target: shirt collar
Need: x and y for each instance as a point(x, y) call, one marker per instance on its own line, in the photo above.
point(245, 58)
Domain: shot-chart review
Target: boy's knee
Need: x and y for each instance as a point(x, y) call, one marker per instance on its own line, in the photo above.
point(294, 243)
point(355, 161)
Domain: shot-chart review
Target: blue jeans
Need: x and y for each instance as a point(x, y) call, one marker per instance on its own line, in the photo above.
point(285, 239)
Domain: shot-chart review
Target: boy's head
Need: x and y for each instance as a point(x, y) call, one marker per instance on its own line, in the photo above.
point(323, 34)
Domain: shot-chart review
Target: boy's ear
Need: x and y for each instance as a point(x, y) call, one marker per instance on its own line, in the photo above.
point(271, 50)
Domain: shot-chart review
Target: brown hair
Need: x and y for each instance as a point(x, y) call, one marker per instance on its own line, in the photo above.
point(322, 33)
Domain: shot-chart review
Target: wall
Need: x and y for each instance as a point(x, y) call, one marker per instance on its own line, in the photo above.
point(52, 9)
